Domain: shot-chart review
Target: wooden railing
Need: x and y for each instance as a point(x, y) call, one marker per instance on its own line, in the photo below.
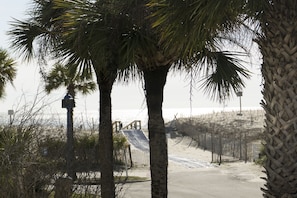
point(136, 124)
point(117, 126)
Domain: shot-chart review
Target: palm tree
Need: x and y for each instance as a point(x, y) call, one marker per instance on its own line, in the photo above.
point(112, 36)
point(215, 82)
point(62, 75)
point(77, 42)
point(96, 41)
point(140, 43)
point(275, 25)
point(7, 71)
point(155, 63)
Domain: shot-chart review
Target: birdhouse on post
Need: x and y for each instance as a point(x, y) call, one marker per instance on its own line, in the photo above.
point(68, 102)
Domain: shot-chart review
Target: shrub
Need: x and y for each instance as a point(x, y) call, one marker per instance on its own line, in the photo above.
point(86, 151)
point(262, 157)
point(22, 172)
point(31, 163)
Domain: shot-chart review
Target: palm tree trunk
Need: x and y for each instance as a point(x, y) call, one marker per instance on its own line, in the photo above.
point(154, 85)
point(279, 70)
point(105, 83)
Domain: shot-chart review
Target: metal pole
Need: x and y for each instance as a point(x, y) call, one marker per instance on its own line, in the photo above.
point(240, 145)
point(246, 147)
point(68, 143)
point(68, 103)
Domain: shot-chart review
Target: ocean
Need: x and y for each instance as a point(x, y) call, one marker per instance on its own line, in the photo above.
point(91, 118)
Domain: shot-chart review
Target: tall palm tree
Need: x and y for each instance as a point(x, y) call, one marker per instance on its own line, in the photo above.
point(7, 70)
point(139, 44)
point(49, 25)
point(93, 37)
point(275, 21)
point(155, 63)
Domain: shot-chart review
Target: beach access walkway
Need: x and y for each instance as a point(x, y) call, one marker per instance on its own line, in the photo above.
point(190, 174)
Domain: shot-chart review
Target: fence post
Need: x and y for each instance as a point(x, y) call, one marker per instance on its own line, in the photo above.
point(212, 145)
point(240, 145)
point(205, 147)
point(130, 155)
point(125, 156)
point(220, 148)
point(246, 147)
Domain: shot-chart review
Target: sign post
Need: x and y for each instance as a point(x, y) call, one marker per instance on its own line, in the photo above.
point(69, 103)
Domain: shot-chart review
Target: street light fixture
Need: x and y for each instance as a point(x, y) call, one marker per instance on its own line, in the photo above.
point(69, 103)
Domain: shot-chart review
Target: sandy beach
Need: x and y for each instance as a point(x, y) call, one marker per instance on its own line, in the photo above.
point(232, 179)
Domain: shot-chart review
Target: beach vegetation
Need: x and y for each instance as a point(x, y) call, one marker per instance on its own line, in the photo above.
point(31, 163)
point(262, 157)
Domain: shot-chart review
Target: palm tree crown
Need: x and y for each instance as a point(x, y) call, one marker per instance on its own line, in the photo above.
point(61, 75)
point(7, 70)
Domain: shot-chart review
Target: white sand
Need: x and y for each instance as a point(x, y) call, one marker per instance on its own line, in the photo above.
point(180, 147)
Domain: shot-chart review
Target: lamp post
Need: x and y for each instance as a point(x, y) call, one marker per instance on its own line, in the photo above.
point(239, 94)
point(69, 103)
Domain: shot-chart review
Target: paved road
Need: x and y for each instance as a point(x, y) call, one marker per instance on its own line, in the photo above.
point(199, 183)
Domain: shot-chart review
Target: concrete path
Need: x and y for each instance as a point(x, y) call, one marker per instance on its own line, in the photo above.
point(195, 178)
point(200, 183)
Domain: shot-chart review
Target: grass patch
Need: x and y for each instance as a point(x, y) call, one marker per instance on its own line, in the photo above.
point(117, 179)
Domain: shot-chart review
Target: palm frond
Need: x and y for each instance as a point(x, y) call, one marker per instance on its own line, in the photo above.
point(22, 36)
point(194, 28)
point(224, 75)
point(7, 70)
point(69, 76)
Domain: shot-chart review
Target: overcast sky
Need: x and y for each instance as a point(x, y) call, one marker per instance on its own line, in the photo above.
point(177, 90)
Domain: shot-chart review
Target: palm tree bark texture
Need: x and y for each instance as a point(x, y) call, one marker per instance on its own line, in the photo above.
point(154, 85)
point(279, 69)
point(105, 81)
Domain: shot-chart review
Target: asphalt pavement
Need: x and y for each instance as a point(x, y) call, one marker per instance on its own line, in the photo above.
point(199, 183)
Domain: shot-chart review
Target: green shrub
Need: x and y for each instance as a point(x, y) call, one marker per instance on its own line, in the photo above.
point(86, 151)
point(119, 141)
point(30, 163)
point(22, 171)
point(262, 157)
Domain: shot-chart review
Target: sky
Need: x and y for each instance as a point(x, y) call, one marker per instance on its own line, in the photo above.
point(176, 94)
